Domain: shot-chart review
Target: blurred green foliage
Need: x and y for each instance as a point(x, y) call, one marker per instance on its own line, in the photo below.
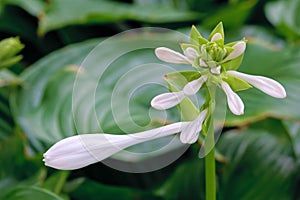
point(260, 149)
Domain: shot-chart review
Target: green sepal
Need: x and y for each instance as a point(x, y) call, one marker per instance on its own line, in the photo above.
point(194, 35)
point(229, 50)
point(180, 79)
point(236, 84)
point(218, 29)
point(184, 46)
point(202, 40)
point(233, 64)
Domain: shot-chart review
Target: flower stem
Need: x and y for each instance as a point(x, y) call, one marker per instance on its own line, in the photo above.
point(210, 175)
point(210, 169)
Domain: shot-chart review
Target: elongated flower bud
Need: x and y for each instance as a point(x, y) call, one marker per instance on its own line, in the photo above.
point(215, 37)
point(190, 133)
point(168, 55)
point(81, 150)
point(235, 103)
point(191, 54)
point(167, 100)
point(239, 49)
point(193, 87)
point(267, 85)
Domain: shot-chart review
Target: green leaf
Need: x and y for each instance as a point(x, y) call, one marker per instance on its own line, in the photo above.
point(91, 190)
point(260, 163)
point(34, 7)
point(284, 15)
point(8, 78)
point(56, 182)
point(232, 15)
point(236, 84)
point(187, 182)
point(59, 14)
point(29, 192)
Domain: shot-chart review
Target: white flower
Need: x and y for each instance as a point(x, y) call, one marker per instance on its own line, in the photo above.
point(215, 37)
point(168, 55)
point(238, 49)
point(170, 99)
point(190, 133)
point(235, 103)
point(82, 150)
point(194, 86)
point(267, 85)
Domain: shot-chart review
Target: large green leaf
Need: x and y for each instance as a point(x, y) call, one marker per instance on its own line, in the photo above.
point(187, 182)
point(61, 13)
point(91, 190)
point(6, 122)
point(29, 192)
point(284, 15)
point(261, 163)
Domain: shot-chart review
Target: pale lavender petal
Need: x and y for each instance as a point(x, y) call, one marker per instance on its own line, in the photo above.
point(202, 63)
point(168, 55)
point(235, 103)
point(190, 133)
point(193, 87)
point(267, 85)
point(239, 49)
point(81, 150)
point(191, 54)
point(167, 100)
point(216, 37)
point(216, 70)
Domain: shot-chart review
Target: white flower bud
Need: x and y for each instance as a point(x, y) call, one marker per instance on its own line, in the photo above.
point(82, 150)
point(235, 103)
point(191, 54)
point(216, 37)
point(238, 49)
point(168, 55)
point(190, 133)
point(193, 87)
point(267, 85)
point(167, 100)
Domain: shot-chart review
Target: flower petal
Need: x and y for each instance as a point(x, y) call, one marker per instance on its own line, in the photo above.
point(235, 103)
point(168, 55)
point(82, 150)
point(238, 49)
point(215, 37)
point(267, 85)
point(193, 87)
point(202, 63)
point(191, 54)
point(167, 100)
point(190, 133)
point(216, 70)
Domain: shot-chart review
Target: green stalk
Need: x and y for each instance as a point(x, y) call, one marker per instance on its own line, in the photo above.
point(210, 168)
point(210, 174)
